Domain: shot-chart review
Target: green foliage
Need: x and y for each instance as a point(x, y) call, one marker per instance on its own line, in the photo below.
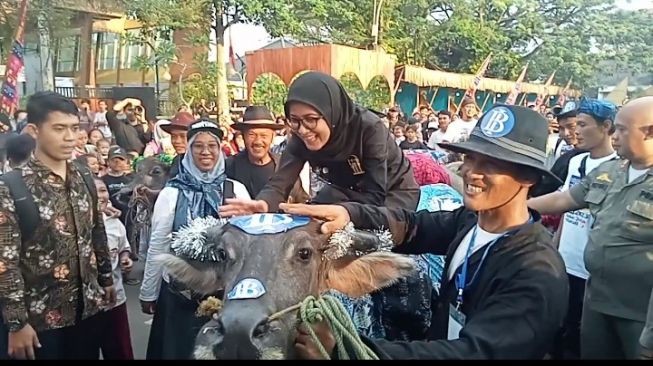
point(159, 19)
point(270, 91)
point(376, 96)
point(570, 36)
point(202, 85)
point(57, 19)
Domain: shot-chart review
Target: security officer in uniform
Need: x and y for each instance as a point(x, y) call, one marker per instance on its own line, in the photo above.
point(619, 252)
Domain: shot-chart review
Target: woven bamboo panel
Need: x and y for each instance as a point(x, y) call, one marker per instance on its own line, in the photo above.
point(335, 60)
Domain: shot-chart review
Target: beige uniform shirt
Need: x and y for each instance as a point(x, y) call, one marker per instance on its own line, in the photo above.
point(619, 252)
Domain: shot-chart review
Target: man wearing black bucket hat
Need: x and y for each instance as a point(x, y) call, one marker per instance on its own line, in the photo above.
point(504, 289)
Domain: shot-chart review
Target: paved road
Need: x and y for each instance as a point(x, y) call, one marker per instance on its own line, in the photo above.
point(139, 323)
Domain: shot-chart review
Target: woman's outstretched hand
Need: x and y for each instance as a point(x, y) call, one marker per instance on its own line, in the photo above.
point(335, 217)
point(240, 207)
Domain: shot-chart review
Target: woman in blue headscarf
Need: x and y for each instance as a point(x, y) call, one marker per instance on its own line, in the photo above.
point(196, 192)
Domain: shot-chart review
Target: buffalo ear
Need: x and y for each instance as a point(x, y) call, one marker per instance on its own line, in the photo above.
point(358, 276)
point(202, 277)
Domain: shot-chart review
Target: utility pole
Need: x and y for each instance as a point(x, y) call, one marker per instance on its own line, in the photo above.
point(221, 80)
point(376, 22)
point(47, 72)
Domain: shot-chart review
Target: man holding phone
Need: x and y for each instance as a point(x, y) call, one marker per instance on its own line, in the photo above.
point(127, 121)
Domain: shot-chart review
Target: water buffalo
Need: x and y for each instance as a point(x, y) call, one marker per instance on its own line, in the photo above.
point(290, 266)
point(150, 176)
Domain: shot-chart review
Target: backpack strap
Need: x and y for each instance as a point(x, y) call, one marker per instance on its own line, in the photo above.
point(555, 149)
point(228, 191)
point(87, 176)
point(583, 167)
point(27, 213)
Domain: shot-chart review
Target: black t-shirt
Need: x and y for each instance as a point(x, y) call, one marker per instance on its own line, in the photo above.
point(114, 185)
point(417, 145)
point(253, 177)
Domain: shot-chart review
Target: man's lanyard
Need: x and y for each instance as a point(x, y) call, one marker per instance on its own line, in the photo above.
point(461, 278)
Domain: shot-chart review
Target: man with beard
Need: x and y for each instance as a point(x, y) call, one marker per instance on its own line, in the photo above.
point(254, 166)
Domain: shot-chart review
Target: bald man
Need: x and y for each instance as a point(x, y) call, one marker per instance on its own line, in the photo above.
point(619, 252)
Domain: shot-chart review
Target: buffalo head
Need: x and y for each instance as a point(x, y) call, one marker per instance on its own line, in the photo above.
point(264, 274)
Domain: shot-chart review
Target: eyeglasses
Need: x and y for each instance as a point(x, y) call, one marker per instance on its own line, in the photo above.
point(309, 122)
point(200, 147)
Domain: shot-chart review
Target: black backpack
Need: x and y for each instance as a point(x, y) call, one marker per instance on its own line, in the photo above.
point(27, 213)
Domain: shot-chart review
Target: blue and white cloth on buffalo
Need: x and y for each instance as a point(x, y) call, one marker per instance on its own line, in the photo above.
point(403, 311)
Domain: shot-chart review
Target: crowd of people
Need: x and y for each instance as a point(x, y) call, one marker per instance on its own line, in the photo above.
point(548, 258)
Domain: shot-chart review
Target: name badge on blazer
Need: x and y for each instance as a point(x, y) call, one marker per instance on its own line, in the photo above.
point(355, 165)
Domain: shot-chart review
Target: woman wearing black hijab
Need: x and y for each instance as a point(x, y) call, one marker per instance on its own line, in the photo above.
point(346, 145)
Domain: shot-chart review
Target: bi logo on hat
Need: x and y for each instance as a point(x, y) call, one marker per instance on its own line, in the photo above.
point(569, 106)
point(497, 122)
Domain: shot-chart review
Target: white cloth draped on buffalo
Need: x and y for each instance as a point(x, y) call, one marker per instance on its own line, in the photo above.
point(403, 311)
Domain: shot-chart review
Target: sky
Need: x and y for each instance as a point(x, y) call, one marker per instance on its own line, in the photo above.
point(248, 37)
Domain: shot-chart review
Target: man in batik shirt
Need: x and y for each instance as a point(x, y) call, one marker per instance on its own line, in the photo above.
point(54, 280)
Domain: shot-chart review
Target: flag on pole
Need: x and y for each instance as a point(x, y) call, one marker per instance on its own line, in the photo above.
point(562, 98)
point(471, 92)
point(15, 64)
point(541, 98)
point(232, 56)
point(516, 89)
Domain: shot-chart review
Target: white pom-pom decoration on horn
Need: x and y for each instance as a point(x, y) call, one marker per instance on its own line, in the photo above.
point(340, 242)
point(189, 240)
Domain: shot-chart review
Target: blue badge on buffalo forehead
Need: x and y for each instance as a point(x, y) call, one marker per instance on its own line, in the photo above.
point(247, 288)
point(260, 224)
point(497, 122)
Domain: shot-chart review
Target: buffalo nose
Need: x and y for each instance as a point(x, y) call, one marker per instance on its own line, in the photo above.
point(242, 328)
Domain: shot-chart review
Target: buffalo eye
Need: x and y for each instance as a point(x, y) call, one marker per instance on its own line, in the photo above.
point(305, 254)
point(156, 171)
point(222, 255)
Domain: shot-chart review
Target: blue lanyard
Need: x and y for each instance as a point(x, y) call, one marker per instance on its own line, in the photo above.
point(461, 278)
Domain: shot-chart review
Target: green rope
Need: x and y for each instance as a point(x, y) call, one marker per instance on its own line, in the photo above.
point(313, 310)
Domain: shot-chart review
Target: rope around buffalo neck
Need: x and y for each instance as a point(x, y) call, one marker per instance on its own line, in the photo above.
point(313, 310)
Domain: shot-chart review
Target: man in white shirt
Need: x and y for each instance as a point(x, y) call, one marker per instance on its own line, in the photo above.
point(460, 129)
point(617, 254)
point(595, 126)
point(554, 133)
point(444, 119)
point(566, 117)
point(100, 120)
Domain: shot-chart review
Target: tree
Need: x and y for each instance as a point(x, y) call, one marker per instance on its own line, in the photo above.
point(457, 35)
point(274, 14)
point(376, 96)
point(206, 16)
point(270, 91)
point(158, 20)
